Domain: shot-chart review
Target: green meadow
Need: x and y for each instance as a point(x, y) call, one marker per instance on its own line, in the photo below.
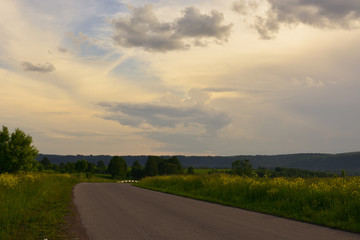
point(34, 205)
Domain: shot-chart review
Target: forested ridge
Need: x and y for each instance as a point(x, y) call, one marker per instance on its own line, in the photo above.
point(308, 161)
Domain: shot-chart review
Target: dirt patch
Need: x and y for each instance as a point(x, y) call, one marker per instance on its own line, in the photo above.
point(73, 229)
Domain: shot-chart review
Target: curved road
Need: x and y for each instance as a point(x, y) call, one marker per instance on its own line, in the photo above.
point(121, 211)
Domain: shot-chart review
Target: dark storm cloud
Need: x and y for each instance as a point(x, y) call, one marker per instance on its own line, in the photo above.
point(42, 68)
point(144, 29)
point(326, 14)
point(158, 116)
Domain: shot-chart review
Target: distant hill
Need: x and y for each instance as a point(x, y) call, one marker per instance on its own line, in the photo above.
point(308, 161)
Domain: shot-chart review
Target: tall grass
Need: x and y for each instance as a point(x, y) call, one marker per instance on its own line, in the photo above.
point(33, 205)
point(333, 202)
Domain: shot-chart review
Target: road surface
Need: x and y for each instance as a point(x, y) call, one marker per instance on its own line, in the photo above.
point(121, 211)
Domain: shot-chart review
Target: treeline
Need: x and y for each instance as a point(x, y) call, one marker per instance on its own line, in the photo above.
point(292, 172)
point(308, 161)
point(244, 168)
point(118, 167)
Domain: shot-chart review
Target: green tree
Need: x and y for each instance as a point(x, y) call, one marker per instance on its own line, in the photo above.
point(242, 167)
point(91, 167)
point(81, 165)
point(46, 163)
point(16, 151)
point(152, 166)
point(190, 170)
point(137, 171)
point(170, 166)
point(70, 167)
point(100, 166)
point(117, 167)
point(62, 167)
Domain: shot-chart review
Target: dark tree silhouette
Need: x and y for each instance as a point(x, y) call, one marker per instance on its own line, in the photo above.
point(137, 171)
point(117, 167)
point(81, 165)
point(151, 166)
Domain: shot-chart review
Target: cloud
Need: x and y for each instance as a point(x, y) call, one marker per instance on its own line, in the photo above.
point(308, 82)
point(42, 68)
point(62, 50)
point(143, 29)
point(322, 14)
point(195, 24)
point(158, 116)
point(243, 7)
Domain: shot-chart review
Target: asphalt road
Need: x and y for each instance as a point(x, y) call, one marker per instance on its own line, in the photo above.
point(121, 211)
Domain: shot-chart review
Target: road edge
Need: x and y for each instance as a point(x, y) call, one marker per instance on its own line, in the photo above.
point(73, 228)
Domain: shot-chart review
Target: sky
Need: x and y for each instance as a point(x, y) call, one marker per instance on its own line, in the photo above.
point(214, 77)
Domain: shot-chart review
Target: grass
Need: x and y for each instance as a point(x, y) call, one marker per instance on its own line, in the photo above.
point(333, 202)
point(33, 205)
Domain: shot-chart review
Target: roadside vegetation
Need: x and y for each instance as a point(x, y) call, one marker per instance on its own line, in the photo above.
point(333, 202)
point(34, 204)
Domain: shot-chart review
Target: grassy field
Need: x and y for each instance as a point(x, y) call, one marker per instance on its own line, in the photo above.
point(333, 202)
point(33, 205)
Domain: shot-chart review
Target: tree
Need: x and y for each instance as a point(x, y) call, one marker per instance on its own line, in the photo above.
point(137, 170)
point(159, 166)
point(4, 150)
point(101, 167)
point(151, 166)
point(117, 167)
point(70, 167)
point(16, 151)
point(170, 166)
point(81, 165)
point(46, 163)
point(91, 167)
point(242, 167)
point(190, 170)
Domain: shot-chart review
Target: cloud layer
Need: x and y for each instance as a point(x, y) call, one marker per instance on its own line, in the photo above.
point(327, 14)
point(158, 116)
point(143, 29)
